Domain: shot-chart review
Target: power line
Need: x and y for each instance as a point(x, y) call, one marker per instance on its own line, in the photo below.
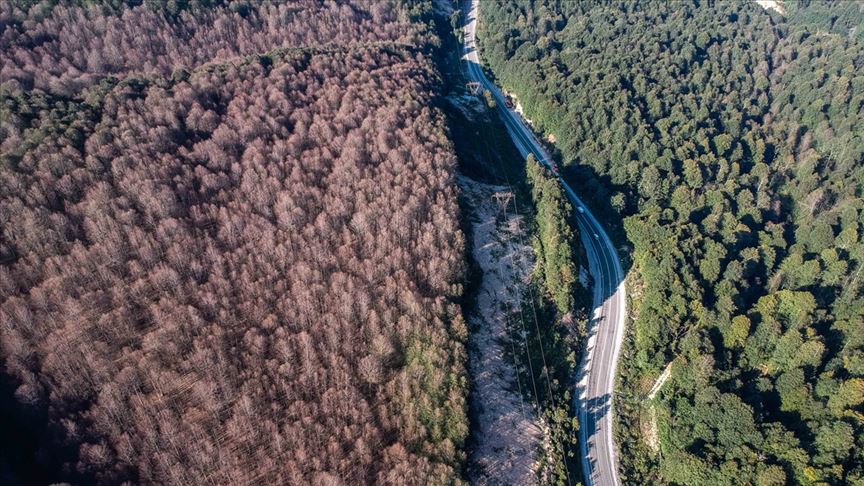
point(512, 340)
point(543, 357)
point(522, 319)
point(537, 328)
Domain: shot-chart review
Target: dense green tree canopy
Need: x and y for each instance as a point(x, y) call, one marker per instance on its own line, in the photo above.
point(556, 238)
point(729, 140)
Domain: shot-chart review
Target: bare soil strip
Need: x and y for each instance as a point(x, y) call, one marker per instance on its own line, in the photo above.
point(508, 434)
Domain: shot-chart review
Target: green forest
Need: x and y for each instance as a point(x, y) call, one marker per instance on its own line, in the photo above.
point(556, 237)
point(723, 143)
point(562, 306)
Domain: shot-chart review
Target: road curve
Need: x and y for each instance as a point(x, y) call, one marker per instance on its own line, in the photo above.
point(596, 380)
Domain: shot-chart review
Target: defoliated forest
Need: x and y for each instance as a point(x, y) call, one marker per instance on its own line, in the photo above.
point(724, 144)
point(229, 248)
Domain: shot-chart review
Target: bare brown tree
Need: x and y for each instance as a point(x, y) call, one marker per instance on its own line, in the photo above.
point(241, 275)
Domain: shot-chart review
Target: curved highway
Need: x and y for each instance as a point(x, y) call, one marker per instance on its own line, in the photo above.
point(596, 380)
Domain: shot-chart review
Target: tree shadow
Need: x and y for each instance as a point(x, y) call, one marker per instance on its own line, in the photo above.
point(597, 408)
point(604, 246)
point(592, 190)
point(32, 449)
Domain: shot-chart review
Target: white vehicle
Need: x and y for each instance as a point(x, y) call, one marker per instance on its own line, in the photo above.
point(581, 210)
point(596, 236)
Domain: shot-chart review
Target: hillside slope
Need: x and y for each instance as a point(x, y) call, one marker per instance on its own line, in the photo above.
point(727, 142)
point(243, 271)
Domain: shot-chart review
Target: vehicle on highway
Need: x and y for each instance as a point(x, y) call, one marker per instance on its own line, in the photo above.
point(597, 370)
point(581, 210)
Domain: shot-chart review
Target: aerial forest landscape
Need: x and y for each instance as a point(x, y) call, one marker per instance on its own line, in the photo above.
point(432, 242)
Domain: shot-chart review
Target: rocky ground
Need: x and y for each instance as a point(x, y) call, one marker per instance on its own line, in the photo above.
point(507, 436)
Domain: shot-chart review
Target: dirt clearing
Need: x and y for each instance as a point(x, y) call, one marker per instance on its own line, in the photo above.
point(507, 437)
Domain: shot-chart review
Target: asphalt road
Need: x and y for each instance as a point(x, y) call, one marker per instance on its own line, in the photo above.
point(596, 380)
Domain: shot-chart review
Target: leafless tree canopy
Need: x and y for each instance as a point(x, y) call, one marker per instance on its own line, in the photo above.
point(72, 47)
point(241, 275)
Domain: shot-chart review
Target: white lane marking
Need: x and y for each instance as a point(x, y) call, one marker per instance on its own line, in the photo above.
point(524, 141)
